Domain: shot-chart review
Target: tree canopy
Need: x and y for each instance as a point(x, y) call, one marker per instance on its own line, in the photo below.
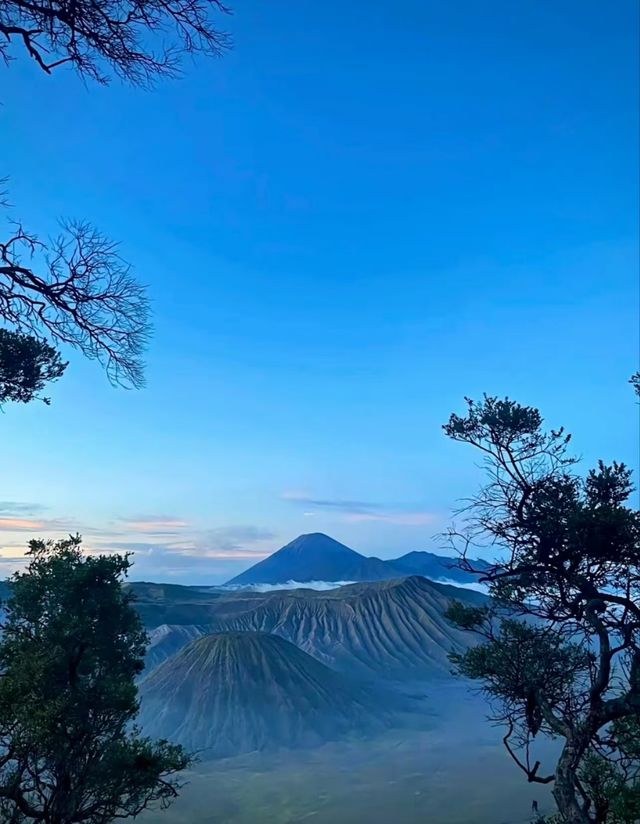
point(26, 365)
point(560, 651)
point(71, 649)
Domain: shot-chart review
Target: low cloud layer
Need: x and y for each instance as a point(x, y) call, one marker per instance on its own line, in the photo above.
point(158, 525)
point(239, 537)
point(36, 525)
point(474, 585)
point(321, 586)
point(164, 546)
point(235, 542)
point(17, 508)
point(337, 504)
point(170, 546)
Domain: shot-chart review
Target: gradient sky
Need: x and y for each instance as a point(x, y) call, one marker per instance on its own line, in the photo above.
point(362, 214)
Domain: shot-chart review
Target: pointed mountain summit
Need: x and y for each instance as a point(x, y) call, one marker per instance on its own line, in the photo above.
point(314, 557)
point(236, 692)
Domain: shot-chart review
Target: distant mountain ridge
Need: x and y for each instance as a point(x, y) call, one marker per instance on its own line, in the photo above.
point(317, 557)
point(436, 567)
point(165, 641)
point(238, 670)
point(377, 630)
point(387, 629)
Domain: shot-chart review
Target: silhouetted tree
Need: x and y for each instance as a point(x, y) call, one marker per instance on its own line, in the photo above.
point(81, 293)
point(560, 655)
point(116, 36)
point(26, 365)
point(71, 649)
point(75, 289)
point(612, 781)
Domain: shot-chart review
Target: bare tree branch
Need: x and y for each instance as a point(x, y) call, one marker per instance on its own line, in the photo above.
point(79, 292)
point(101, 36)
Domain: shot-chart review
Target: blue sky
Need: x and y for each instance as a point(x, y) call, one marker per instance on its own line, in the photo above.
point(361, 214)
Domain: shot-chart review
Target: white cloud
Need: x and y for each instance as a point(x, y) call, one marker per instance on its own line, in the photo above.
point(317, 585)
point(356, 511)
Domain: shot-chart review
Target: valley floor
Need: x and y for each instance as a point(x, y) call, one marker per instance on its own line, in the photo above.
point(455, 772)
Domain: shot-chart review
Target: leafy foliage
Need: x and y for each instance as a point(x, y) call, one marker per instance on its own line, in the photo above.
point(524, 666)
point(614, 796)
point(71, 648)
point(611, 773)
point(561, 644)
point(26, 365)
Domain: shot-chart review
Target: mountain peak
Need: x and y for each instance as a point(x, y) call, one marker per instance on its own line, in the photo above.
point(316, 542)
point(256, 691)
point(313, 557)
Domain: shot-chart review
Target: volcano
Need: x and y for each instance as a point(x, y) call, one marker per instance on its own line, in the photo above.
point(315, 557)
point(235, 692)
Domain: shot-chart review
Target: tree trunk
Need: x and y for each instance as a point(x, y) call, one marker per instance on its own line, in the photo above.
point(564, 790)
